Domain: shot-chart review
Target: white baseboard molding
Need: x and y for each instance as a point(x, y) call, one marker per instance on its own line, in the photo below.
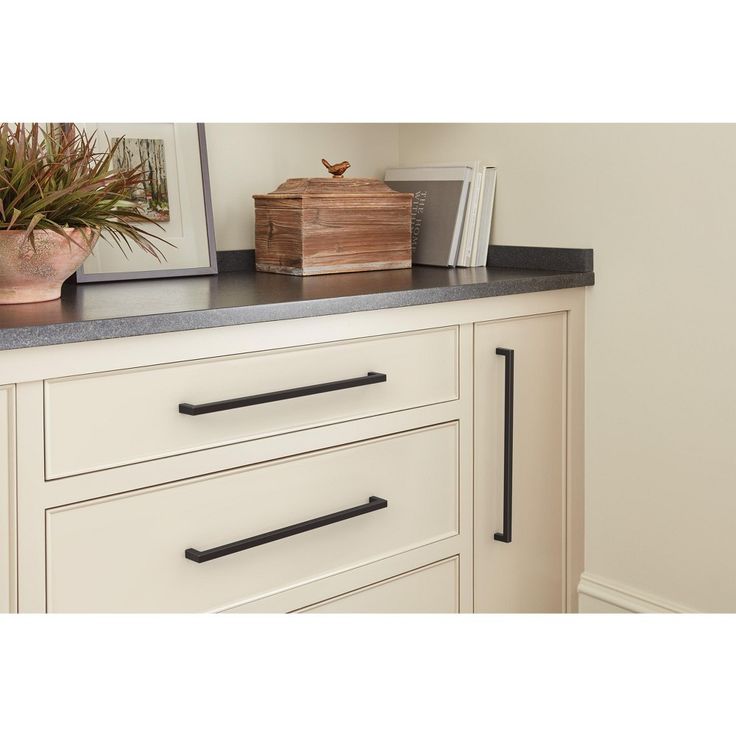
point(622, 598)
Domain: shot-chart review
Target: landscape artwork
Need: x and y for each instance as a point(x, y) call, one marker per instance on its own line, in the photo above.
point(152, 194)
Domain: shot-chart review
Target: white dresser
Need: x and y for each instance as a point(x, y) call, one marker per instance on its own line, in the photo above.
point(417, 459)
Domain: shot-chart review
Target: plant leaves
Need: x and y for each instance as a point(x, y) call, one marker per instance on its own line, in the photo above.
point(51, 177)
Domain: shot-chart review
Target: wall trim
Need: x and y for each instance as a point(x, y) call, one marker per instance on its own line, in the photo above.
point(630, 599)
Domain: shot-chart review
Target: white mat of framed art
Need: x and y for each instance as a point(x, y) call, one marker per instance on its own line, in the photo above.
point(185, 215)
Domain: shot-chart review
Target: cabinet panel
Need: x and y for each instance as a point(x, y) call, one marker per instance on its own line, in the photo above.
point(110, 419)
point(7, 506)
point(430, 589)
point(127, 553)
point(528, 573)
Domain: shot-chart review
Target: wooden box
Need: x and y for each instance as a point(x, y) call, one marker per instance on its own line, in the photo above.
point(317, 226)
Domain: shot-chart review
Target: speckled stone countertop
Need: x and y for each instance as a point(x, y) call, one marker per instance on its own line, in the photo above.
point(123, 309)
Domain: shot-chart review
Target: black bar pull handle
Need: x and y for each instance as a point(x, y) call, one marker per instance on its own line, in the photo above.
point(289, 393)
point(374, 504)
point(508, 444)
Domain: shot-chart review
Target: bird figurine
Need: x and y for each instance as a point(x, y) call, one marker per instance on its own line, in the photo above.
point(337, 170)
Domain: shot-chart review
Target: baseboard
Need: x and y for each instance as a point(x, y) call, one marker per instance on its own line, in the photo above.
point(617, 598)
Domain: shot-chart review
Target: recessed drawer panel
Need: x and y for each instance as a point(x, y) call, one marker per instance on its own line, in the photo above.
point(110, 419)
point(430, 589)
point(210, 543)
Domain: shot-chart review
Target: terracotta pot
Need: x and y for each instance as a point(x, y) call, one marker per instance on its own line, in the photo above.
point(34, 272)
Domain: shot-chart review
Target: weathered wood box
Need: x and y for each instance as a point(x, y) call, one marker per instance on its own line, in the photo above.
point(316, 226)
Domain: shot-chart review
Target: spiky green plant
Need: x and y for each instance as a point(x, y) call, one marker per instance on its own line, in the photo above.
point(52, 178)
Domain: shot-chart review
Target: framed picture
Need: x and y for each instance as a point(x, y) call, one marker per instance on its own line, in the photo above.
point(175, 193)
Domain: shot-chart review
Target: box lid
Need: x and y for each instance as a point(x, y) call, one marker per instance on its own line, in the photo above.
point(336, 186)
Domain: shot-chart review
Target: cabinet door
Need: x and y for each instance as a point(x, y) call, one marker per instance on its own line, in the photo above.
point(520, 430)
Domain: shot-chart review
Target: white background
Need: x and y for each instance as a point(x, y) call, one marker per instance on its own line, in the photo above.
point(336, 62)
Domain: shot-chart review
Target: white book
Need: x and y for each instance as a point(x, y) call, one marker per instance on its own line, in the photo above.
point(482, 195)
point(438, 210)
point(471, 213)
point(474, 248)
point(485, 217)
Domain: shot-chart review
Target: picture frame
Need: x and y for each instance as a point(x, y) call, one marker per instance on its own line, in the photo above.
point(176, 193)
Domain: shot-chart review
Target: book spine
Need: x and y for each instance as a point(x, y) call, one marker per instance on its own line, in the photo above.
point(471, 220)
point(476, 229)
point(486, 216)
point(464, 258)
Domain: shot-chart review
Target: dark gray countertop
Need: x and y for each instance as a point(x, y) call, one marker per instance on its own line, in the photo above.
point(123, 309)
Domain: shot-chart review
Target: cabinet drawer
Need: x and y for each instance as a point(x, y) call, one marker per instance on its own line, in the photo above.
point(127, 553)
point(110, 419)
point(430, 589)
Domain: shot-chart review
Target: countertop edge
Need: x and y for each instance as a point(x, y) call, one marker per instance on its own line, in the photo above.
point(120, 327)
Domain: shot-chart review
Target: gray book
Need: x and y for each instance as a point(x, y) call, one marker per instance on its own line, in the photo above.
point(440, 197)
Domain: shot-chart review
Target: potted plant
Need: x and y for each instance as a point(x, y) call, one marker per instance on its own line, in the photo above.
point(57, 194)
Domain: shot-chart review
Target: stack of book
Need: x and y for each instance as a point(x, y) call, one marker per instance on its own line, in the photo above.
point(451, 213)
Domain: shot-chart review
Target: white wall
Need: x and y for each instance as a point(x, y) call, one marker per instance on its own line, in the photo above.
point(247, 159)
point(658, 205)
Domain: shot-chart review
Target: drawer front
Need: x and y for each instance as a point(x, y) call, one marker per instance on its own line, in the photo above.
point(126, 553)
point(430, 589)
point(110, 419)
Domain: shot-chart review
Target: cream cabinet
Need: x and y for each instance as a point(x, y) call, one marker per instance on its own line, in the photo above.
point(7, 500)
point(521, 464)
point(346, 463)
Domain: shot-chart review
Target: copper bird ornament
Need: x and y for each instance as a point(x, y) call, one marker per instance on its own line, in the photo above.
point(337, 170)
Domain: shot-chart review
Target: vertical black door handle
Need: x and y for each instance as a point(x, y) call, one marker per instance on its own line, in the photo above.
point(508, 444)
